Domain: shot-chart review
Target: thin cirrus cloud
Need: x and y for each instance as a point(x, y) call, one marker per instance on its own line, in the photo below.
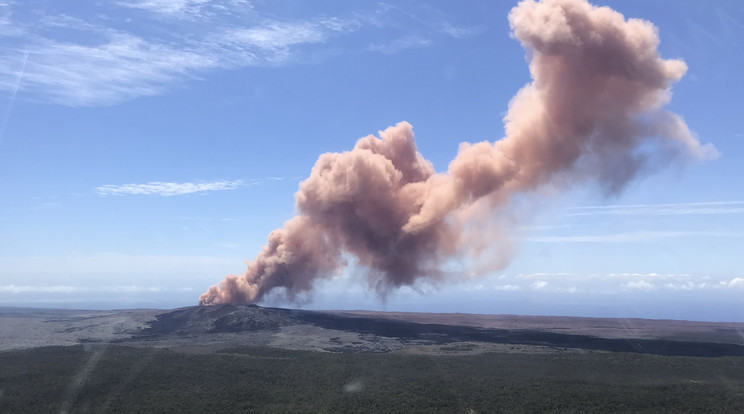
point(399, 45)
point(167, 189)
point(182, 8)
point(697, 208)
point(276, 35)
point(461, 32)
point(272, 43)
point(124, 67)
point(633, 237)
point(120, 51)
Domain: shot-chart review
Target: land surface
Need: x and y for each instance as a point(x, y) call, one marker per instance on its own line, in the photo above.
point(255, 359)
point(217, 327)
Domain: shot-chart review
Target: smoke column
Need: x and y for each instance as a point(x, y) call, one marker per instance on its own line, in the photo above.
point(593, 111)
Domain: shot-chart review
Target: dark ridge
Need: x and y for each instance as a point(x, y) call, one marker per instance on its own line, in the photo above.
point(443, 334)
point(229, 318)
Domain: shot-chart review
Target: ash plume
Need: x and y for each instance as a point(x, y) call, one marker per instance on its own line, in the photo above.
point(593, 112)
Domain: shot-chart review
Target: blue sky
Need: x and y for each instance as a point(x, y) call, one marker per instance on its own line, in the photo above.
point(147, 147)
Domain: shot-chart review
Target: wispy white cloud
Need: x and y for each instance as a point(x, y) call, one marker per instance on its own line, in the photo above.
point(539, 285)
point(635, 281)
point(639, 285)
point(508, 288)
point(689, 285)
point(735, 283)
point(475, 287)
point(273, 42)
point(9, 109)
point(650, 275)
point(632, 237)
point(111, 59)
point(115, 65)
point(7, 28)
point(543, 275)
point(459, 32)
point(166, 6)
point(181, 9)
point(166, 189)
point(626, 275)
point(276, 35)
point(38, 289)
point(171, 189)
point(399, 45)
point(610, 283)
point(698, 208)
point(606, 278)
point(121, 67)
point(65, 21)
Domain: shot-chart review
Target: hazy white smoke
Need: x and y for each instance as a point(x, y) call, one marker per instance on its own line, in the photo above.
point(593, 111)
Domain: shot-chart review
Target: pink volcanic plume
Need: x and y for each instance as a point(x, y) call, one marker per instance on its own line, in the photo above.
point(593, 111)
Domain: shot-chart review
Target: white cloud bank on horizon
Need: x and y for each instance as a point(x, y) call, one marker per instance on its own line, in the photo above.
point(111, 277)
point(639, 285)
point(167, 189)
point(49, 270)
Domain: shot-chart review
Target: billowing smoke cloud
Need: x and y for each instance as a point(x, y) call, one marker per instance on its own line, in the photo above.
point(592, 112)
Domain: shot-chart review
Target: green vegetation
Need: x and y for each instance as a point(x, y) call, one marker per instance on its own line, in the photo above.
point(99, 378)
